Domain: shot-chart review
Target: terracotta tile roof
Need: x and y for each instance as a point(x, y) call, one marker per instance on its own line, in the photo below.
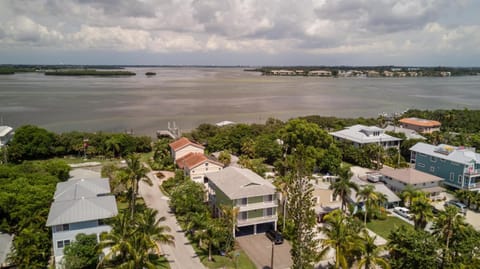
point(183, 142)
point(193, 159)
point(421, 122)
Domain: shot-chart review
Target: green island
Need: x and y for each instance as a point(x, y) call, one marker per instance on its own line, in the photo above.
point(35, 160)
point(89, 72)
point(150, 74)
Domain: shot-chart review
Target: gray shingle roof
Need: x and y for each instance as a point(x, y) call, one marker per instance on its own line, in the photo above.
point(240, 183)
point(358, 133)
point(78, 188)
point(71, 211)
point(450, 153)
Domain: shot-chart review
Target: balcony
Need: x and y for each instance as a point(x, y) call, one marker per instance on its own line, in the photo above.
point(251, 221)
point(254, 206)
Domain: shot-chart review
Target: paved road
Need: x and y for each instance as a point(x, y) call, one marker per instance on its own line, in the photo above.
point(182, 254)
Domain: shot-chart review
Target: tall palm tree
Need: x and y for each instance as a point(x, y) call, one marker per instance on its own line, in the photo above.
point(342, 187)
point(136, 172)
point(211, 235)
point(421, 210)
point(340, 236)
point(371, 253)
point(118, 240)
point(445, 226)
point(281, 183)
point(370, 197)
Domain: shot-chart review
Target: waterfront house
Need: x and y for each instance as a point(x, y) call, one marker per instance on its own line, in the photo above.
point(458, 166)
point(79, 206)
point(6, 134)
point(420, 125)
point(254, 197)
point(409, 133)
point(196, 165)
point(398, 179)
point(182, 147)
point(320, 73)
point(361, 135)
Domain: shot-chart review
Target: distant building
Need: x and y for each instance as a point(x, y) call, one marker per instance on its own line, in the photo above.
point(283, 72)
point(196, 165)
point(323, 198)
point(420, 125)
point(361, 135)
point(183, 146)
point(392, 199)
point(320, 73)
point(373, 73)
point(79, 206)
point(398, 179)
point(6, 134)
point(409, 133)
point(224, 123)
point(458, 166)
point(254, 197)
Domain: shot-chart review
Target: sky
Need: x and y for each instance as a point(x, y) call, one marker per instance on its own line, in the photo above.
point(241, 32)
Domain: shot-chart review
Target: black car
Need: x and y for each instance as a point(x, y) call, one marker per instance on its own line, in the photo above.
point(275, 236)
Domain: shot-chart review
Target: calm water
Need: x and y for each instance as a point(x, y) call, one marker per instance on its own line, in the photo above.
point(191, 96)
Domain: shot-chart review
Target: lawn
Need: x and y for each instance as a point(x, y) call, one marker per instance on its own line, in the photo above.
point(240, 260)
point(384, 227)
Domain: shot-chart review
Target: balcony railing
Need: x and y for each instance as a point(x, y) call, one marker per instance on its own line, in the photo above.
point(254, 206)
point(250, 221)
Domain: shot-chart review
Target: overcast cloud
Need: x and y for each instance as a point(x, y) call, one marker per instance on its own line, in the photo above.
point(241, 32)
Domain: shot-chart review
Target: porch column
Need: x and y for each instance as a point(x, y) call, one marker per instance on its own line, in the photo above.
point(254, 228)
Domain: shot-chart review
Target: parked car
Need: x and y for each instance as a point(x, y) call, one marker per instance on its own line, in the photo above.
point(462, 207)
point(402, 211)
point(275, 236)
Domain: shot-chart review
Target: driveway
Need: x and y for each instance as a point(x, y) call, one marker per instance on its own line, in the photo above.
point(181, 255)
point(259, 248)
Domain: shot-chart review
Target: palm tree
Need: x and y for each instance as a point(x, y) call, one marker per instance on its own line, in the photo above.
point(136, 172)
point(342, 187)
point(421, 210)
point(408, 194)
point(281, 183)
point(369, 197)
point(371, 253)
point(211, 235)
point(445, 226)
point(341, 236)
point(150, 230)
point(118, 240)
point(229, 217)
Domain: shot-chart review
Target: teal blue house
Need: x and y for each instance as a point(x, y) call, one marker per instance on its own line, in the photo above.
point(458, 166)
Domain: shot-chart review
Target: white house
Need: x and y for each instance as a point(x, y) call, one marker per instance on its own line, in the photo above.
point(196, 165)
point(79, 206)
point(6, 134)
point(183, 146)
point(361, 135)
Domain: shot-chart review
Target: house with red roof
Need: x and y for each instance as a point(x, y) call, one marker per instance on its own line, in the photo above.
point(196, 165)
point(184, 146)
point(420, 125)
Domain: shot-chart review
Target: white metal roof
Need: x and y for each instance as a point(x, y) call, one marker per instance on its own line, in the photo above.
point(446, 152)
point(4, 130)
point(240, 183)
point(360, 134)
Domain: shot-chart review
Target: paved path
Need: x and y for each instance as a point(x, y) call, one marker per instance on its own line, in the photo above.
point(182, 254)
point(259, 248)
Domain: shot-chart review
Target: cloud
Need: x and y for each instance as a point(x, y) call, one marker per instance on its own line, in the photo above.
point(276, 27)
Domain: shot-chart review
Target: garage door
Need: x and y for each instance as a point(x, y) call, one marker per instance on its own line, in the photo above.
point(245, 230)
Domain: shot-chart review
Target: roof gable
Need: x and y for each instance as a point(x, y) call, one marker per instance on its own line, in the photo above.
point(194, 159)
point(183, 142)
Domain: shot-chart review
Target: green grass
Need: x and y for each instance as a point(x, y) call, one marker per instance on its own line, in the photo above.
point(384, 227)
point(242, 260)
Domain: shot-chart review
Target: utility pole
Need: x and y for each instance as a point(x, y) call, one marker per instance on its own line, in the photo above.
point(273, 252)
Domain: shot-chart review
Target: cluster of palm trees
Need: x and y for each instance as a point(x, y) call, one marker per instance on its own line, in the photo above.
point(136, 231)
point(352, 244)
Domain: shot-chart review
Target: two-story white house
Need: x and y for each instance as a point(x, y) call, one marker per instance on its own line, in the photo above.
point(79, 206)
point(184, 146)
point(360, 135)
point(255, 198)
point(196, 165)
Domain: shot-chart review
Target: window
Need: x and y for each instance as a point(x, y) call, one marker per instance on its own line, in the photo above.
point(242, 201)
point(433, 159)
point(452, 176)
point(206, 164)
point(63, 243)
point(62, 227)
point(432, 168)
point(442, 160)
point(268, 211)
point(459, 179)
point(243, 215)
point(101, 222)
point(421, 165)
point(268, 198)
point(421, 154)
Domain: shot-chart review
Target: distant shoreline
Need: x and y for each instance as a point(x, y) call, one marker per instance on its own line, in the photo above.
point(89, 73)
